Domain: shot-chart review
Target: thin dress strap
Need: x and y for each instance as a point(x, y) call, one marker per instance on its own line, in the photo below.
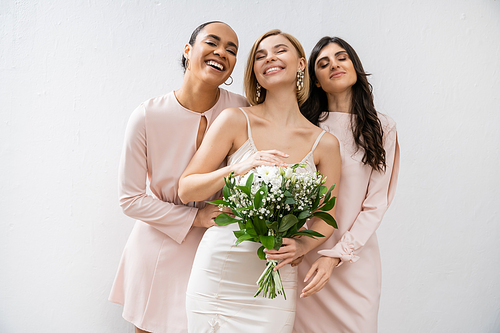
point(248, 124)
point(317, 140)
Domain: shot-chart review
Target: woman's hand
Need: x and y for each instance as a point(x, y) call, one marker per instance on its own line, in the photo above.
point(205, 216)
point(297, 261)
point(290, 250)
point(323, 268)
point(263, 157)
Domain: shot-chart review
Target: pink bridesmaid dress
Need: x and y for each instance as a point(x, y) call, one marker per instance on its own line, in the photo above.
point(349, 302)
point(156, 263)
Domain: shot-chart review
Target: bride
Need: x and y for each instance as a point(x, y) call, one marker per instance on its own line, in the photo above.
point(272, 132)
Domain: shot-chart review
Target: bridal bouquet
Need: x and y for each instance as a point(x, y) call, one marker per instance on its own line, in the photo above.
point(272, 203)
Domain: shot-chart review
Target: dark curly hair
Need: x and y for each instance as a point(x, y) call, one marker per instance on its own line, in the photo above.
point(366, 126)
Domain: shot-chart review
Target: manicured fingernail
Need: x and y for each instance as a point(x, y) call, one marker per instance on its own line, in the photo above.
point(302, 295)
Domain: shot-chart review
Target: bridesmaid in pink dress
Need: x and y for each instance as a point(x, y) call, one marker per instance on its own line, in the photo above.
point(347, 267)
point(162, 135)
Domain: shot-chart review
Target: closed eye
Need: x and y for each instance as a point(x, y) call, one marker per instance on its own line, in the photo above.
point(323, 64)
point(260, 55)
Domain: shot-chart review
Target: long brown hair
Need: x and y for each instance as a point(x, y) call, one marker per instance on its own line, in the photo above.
point(366, 126)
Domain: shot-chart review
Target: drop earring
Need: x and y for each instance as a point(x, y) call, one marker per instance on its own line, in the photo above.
point(300, 79)
point(257, 92)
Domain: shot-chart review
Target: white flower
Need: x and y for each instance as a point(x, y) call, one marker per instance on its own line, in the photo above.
point(276, 182)
point(267, 173)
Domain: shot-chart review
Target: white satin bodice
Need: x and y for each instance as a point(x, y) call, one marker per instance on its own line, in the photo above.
point(248, 148)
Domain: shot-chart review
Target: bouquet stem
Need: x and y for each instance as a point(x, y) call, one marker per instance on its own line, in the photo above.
point(270, 281)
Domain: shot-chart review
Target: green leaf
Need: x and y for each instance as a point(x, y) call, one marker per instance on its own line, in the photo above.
point(225, 192)
point(249, 181)
point(219, 202)
point(304, 214)
point(272, 225)
point(322, 190)
point(243, 238)
point(308, 233)
point(267, 241)
point(315, 203)
point(327, 218)
point(239, 233)
point(289, 201)
point(329, 192)
point(288, 194)
point(242, 225)
point(292, 231)
point(257, 202)
point(224, 219)
point(250, 228)
point(278, 242)
point(260, 226)
point(287, 222)
point(244, 189)
point(261, 253)
point(242, 209)
point(326, 198)
point(329, 204)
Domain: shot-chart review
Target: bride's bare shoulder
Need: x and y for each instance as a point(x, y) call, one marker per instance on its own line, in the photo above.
point(232, 117)
point(328, 143)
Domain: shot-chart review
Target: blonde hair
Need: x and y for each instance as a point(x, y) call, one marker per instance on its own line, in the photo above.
point(250, 83)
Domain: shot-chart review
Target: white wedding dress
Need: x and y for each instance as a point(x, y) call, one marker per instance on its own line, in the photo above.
point(220, 291)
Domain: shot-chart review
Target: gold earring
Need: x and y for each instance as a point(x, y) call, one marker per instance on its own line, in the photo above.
point(300, 79)
point(257, 92)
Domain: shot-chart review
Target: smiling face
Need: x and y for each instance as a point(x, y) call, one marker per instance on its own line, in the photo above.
point(276, 61)
point(334, 70)
point(213, 56)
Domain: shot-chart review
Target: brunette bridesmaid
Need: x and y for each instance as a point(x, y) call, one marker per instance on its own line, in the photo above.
point(347, 266)
point(162, 135)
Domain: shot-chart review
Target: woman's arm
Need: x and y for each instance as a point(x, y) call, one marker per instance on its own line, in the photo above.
point(379, 195)
point(380, 192)
point(201, 178)
point(328, 153)
point(173, 220)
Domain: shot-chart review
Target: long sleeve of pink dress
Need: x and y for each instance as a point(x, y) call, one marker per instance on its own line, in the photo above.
point(350, 300)
point(152, 276)
point(168, 215)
